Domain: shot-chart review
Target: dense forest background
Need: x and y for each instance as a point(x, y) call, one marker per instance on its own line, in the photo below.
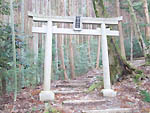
point(22, 52)
point(72, 55)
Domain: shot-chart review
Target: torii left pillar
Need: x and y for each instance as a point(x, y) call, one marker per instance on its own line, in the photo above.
point(47, 94)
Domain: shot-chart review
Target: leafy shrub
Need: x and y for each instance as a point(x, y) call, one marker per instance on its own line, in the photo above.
point(146, 95)
point(137, 77)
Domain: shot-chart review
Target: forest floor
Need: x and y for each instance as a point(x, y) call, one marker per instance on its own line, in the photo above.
point(72, 97)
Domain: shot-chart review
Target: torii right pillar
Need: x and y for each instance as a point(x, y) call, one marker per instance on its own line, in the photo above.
point(107, 91)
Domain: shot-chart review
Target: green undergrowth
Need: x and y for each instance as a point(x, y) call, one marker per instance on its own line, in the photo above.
point(96, 84)
point(146, 95)
point(137, 78)
point(52, 110)
point(147, 64)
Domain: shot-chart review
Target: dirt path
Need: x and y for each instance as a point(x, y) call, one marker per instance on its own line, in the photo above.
point(72, 97)
point(79, 101)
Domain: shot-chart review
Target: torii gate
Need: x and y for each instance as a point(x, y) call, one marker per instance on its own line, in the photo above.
point(47, 94)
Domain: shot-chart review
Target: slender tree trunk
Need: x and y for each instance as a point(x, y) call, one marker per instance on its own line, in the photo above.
point(57, 40)
point(56, 57)
point(99, 39)
point(29, 27)
point(54, 13)
point(14, 48)
point(35, 41)
point(66, 39)
point(60, 44)
point(89, 49)
point(89, 27)
point(18, 50)
point(120, 30)
point(43, 41)
point(70, 45)
point(22, 51)
point(147, 28)
point(98, 52)
point(131, 56)
point(3, 83)
point(71, 58)
point(137, 28)
point(62, 57)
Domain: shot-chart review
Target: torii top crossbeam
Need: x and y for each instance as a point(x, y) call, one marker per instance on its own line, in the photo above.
point(85, 20)
point(69, 19)
point(49, 29)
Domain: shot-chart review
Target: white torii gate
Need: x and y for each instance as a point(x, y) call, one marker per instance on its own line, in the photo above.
point(47, 94)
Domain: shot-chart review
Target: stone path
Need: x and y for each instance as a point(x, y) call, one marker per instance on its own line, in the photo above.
point(73, 97)
point(138, 63)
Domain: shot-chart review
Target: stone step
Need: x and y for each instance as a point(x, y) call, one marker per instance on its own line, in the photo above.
point(75, 81)
point(68, 92)
point(83, 102)
point(72, 85)
point(116, 110)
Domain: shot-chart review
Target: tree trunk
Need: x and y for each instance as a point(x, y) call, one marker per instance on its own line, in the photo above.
point(70, 45)
point(3, 85)
point(119, 67)
point(3, 79)
point(120, 30)
point(71, 58)
point(147, 28)
point(99, 38)
point(22, 50)
point(98, 52)
point(131, 53)
point(14, 48)
point(56, 57)
point(62, 57)
point(35, 41)
point(60, 44)
point(88, 27)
